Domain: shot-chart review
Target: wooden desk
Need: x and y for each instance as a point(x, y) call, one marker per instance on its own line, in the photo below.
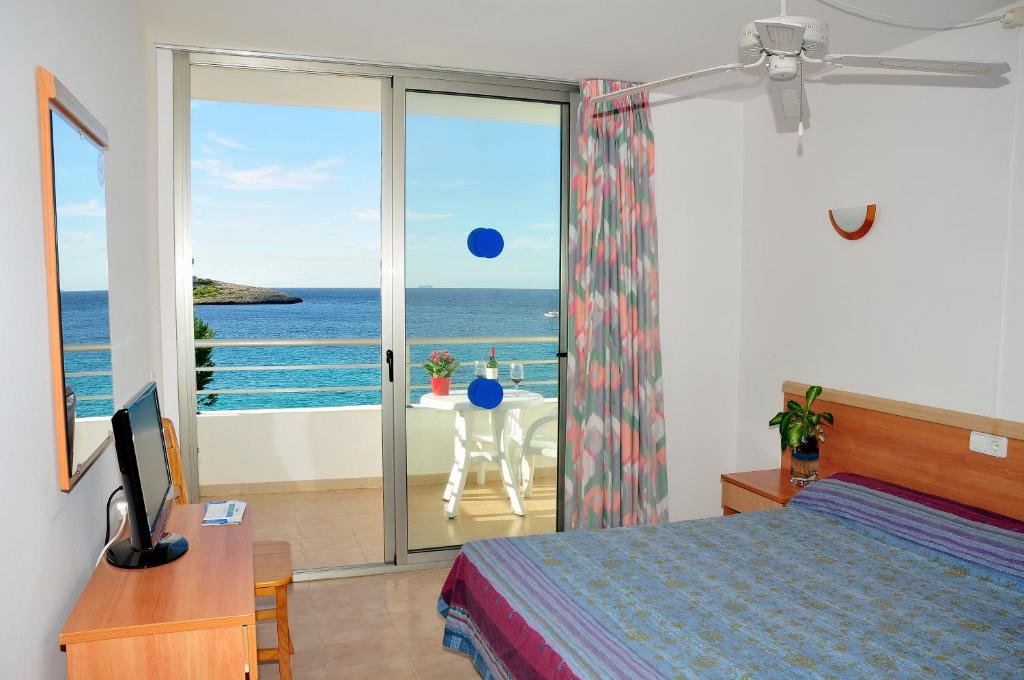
point(192, 619)
point(757, 490)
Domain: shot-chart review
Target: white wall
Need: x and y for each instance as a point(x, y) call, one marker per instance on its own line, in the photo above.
point(296, 445)
point(95, 48)
point(699, 195)
point(248, 447)
point(1011, 366)
point(914, 311)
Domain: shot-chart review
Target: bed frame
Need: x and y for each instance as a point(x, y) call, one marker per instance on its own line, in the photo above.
point(920, 447)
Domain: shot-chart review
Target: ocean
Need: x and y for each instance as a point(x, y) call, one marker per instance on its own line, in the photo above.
point(334, 313)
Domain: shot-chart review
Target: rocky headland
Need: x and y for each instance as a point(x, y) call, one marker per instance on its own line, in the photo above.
point(211, 292)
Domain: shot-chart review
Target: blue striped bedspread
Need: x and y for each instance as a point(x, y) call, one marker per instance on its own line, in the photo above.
point(847, 582)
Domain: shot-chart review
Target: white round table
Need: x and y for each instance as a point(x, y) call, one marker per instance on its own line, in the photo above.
point(508, 411)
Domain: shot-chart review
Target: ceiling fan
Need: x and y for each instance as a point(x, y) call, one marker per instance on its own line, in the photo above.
point(782, 45)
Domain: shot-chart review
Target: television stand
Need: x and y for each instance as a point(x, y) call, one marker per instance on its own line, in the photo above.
point(170, 547)
point(193, 619)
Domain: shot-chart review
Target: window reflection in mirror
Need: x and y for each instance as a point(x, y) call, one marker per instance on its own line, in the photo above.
point(81, 225)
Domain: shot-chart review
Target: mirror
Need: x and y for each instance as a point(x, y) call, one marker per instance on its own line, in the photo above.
point(73, 145)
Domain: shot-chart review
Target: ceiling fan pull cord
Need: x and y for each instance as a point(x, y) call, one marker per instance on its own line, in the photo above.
point(909, 22)
point(800, 127)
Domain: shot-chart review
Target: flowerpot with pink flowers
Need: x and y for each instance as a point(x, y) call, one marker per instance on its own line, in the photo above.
point(441, 367)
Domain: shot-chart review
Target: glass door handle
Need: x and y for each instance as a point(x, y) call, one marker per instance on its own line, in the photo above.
point(562, 355)
point(390, 358)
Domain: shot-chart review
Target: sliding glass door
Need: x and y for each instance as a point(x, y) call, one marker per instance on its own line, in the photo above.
point(339, 226)
point(482, 216)
point(286, 247)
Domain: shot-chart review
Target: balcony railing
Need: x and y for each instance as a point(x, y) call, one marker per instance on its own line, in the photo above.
point(411, 387)
point(82, 348)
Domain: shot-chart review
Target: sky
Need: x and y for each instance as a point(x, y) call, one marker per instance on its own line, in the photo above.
point(289, 197)
point(81, 209)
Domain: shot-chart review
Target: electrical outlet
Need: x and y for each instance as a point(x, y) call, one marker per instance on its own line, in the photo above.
point(1014, 17)
point(989, 444)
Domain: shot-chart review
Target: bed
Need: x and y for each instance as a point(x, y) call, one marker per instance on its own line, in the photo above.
point(858, 577)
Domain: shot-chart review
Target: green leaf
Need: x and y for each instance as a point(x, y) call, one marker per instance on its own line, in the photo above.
point(784, 425)
point(814, 418)
point(812, 393)
point(827, 417)
point(794, 407)
point(796, 435)
point(776, 420)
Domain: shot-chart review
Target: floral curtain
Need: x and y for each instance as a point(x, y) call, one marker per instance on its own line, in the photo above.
point(615, 473)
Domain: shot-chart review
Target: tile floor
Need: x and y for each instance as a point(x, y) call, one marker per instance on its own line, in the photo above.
point(344, 528)
point(368, 627)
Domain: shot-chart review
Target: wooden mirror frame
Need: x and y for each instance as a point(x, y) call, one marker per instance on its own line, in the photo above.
point(54, 96)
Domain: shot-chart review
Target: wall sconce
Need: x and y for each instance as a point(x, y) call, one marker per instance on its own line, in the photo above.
point(853, 223)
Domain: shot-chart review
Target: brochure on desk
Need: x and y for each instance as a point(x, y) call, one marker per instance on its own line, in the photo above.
point(223, 512)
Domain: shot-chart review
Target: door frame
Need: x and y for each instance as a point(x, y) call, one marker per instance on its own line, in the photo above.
point(396, 81)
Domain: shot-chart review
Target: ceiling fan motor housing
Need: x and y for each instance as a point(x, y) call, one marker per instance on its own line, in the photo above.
point(815, 43)
point(782, 68)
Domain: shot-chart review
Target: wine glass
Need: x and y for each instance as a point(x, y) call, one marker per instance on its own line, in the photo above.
point(515, 371)
point(479, 368)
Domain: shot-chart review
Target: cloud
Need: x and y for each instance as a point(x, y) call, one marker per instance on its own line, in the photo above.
point(266, 177)
point(413, 215)
point(368, 214)
point(373, 214)
point(224, 141)
point(91, 208)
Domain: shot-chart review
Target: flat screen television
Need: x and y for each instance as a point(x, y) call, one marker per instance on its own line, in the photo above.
point(148, 490)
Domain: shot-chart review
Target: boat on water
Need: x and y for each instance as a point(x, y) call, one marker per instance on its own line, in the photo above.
point(552, 314)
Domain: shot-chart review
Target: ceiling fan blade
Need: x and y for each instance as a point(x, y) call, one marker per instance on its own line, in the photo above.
point(965, 68)
point(789, 105)
point(644, 87)
point(780, 37)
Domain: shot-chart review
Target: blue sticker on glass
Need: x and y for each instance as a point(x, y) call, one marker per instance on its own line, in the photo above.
point(485, 242)
point(485, 393)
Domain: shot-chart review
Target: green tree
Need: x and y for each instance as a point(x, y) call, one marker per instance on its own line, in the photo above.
point(204, 359)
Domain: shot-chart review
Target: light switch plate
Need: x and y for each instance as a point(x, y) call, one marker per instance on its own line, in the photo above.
point(989, 444)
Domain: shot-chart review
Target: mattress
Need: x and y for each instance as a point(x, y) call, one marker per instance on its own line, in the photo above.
point(854, 579)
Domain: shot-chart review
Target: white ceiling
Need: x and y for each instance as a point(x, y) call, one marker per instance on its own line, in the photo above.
point(564, 39)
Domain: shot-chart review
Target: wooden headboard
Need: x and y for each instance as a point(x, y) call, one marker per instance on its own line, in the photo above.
point(920, 447)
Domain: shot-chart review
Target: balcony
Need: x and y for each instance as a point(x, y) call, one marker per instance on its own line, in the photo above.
point(314, 475)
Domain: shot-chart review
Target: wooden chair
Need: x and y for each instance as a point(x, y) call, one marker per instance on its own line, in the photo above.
point(174, 462)
point(272, 567)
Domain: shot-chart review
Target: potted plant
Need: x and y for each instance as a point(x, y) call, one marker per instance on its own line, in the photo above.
point(441, 367)
point(801, 430)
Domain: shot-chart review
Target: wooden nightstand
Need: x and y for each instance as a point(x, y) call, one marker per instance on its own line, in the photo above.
point(757, 490)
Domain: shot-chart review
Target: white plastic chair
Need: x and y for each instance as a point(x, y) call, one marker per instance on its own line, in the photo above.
point(540, 439)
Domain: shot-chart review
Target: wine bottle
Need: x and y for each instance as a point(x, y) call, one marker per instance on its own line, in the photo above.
point(492, 366)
